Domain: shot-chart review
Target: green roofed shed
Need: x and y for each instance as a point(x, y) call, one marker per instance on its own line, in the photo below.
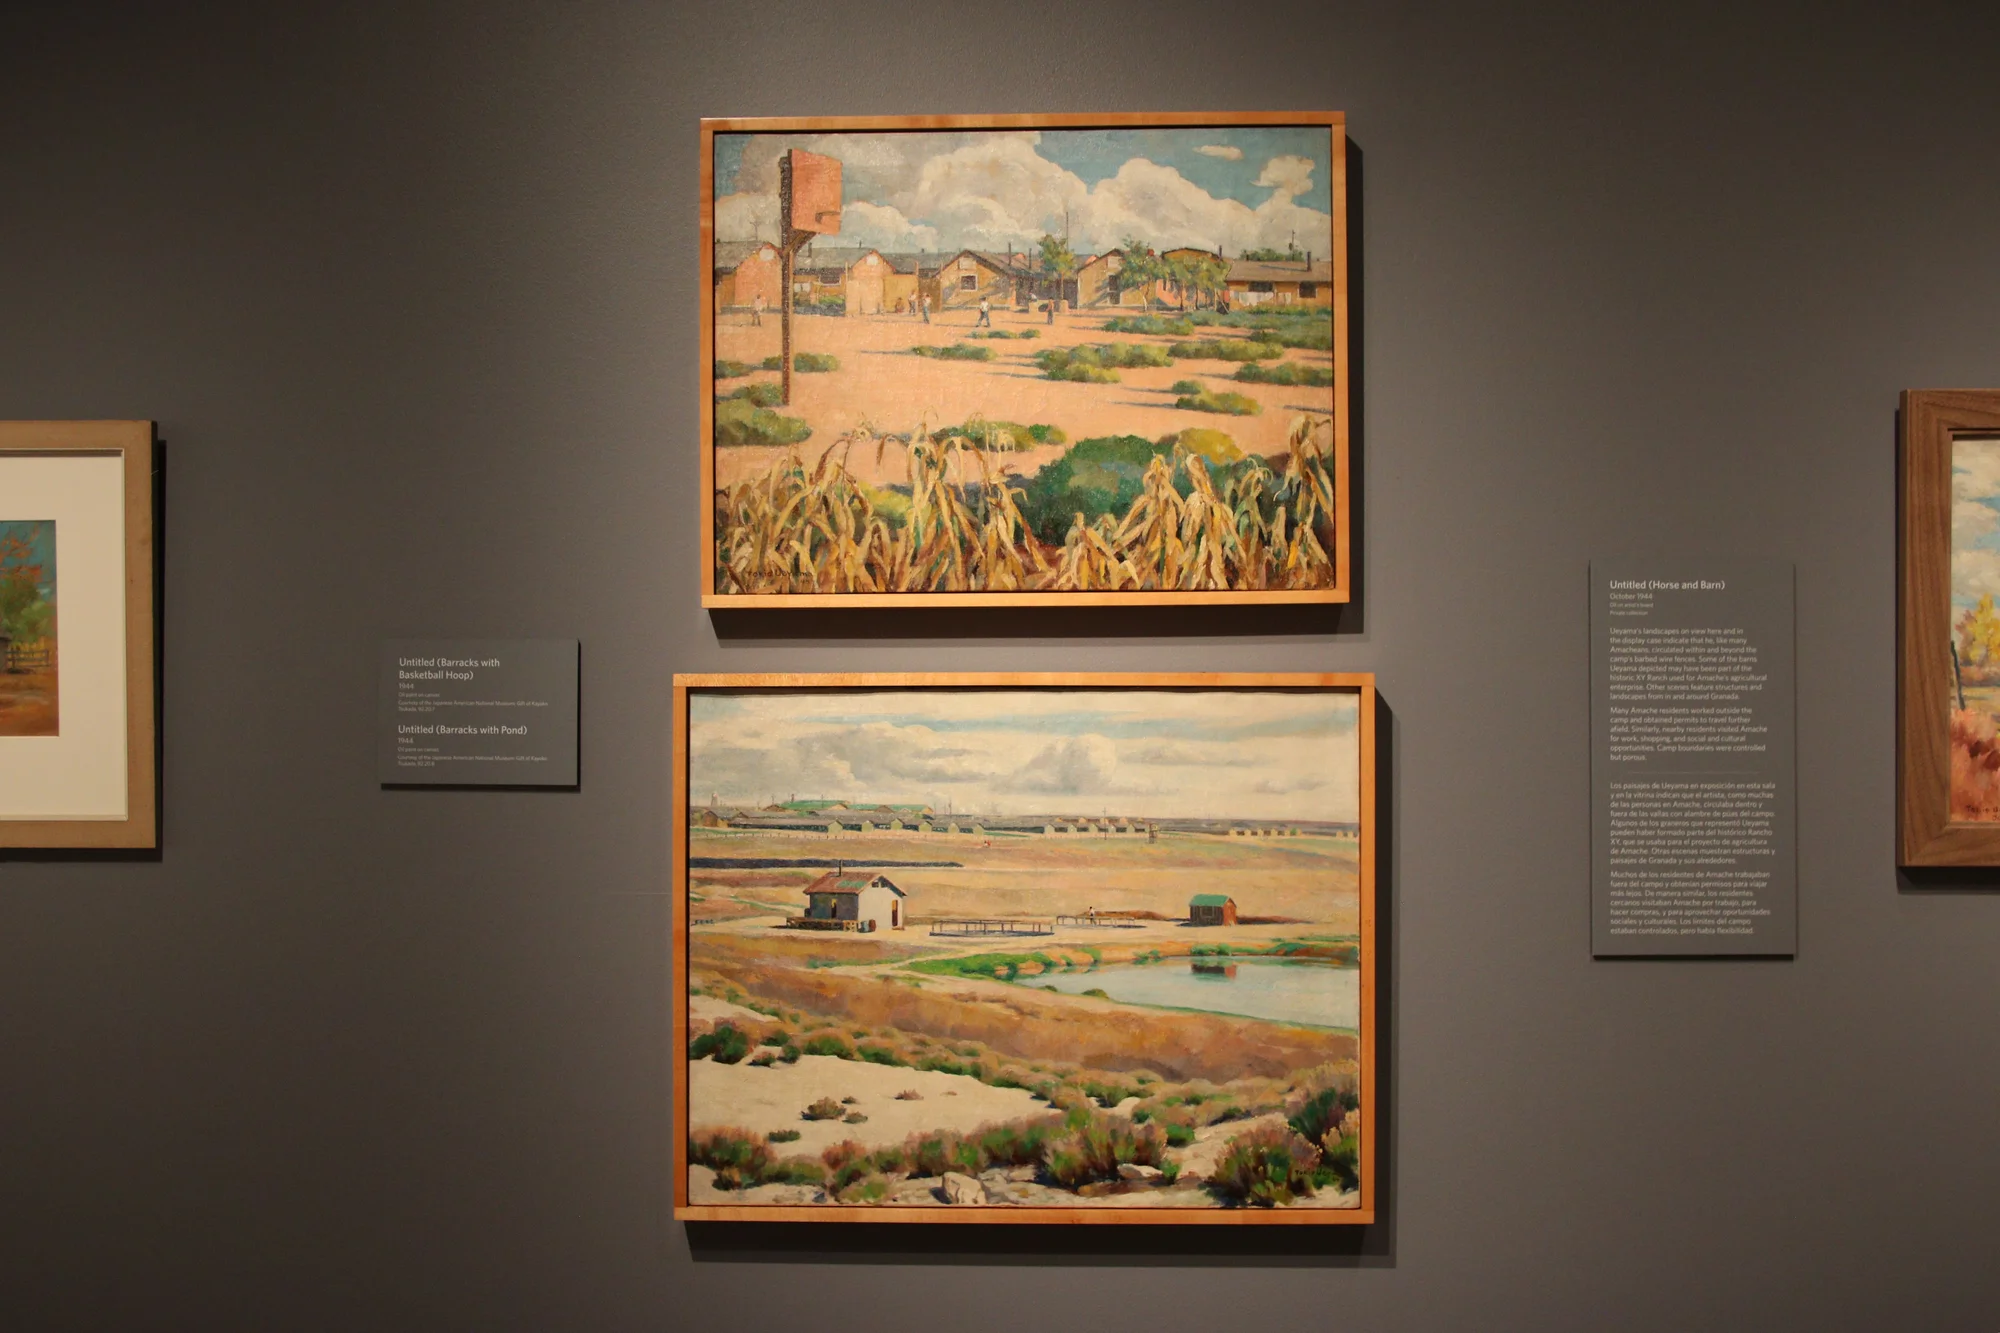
point(1211, 909)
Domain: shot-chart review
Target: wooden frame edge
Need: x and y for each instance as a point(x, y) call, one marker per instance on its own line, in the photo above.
point(1361, 683)
point(1342, 590)
point(134, 442)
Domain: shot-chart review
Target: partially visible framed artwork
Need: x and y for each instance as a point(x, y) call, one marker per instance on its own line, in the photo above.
point(1948, 658)
point(1025, 948)
point(77, 736)
point(1025, 360)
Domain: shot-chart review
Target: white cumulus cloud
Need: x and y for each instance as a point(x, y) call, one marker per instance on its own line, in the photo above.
point(1287, 175)
point(1228, 152)
point(992, 191)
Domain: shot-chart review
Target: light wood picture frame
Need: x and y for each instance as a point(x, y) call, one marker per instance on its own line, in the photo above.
point(1025, 948)
point(78, 692)
point(1948, 632)
point(1025, 360)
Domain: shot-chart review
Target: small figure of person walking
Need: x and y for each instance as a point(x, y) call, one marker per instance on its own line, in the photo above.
point(985, 314)
point(757, 311)
point(924, 304)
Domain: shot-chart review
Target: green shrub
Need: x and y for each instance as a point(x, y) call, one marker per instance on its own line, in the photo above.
point(1178, 1136)
point(790, 1055)
point(880, 1055)
point(1098, 363)
point(1234, 404)
point(935, 1153)
point(1218, 447)
point(826, 1108)
point(739, 422)
point(1004, 434)
point(955, 352)
point(871, 1188)
point(1018, 1144)
point(776, 1037)
point(1340, 1164)
point(1287, 372)
point(1186, 386)
point(794, 1171)
point(1226, 349)
point(828, 1043)
point(727, 1043)
point(1265, 1167)
point(805, 363)
point(854, 1118)
point(1093, 1147)
point(738, 1157)
point(761, 394)
point(1153, 324)
point(1097, 993)
point(726, 369)
point(764, 1059)
point(782, 1136)
point(1320, 1113)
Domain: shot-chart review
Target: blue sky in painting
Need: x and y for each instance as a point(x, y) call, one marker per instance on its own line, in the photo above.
point(1975, 521)
point(1226, 189)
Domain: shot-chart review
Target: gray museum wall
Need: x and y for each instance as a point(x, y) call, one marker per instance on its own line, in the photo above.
point(413, 293)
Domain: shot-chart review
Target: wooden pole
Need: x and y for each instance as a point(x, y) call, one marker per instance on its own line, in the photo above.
point(787, 247)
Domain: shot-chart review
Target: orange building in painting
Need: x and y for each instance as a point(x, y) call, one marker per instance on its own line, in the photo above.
point(745, 270)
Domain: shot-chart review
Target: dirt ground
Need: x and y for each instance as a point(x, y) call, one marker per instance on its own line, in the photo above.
point(28, 704)
point(772, 1097)
point(879, 383)
point(1309, 879)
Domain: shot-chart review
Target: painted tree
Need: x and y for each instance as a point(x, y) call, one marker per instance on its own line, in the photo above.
point(24, 610)
point(1979, 633)
point(1141, 265)
point(1059, 263)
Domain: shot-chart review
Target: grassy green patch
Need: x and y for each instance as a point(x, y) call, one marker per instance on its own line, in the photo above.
point(805, 363)
point(739, 421)
point(725, 369)
point(1004, 434)
point(1232, 404)
point(782, 1136)
point(1287, 372)
point(1098, 363)
point(1153, 324)
point(1226, 349)
point(764, 393)
point(955, 352)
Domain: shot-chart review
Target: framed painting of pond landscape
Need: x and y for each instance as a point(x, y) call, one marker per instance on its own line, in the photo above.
point(1025, 360)
point(1948, 660)
point(1025, 948)
point(76, 635)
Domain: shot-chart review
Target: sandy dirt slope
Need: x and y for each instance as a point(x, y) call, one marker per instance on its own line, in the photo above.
point(881, 384)
point(771, 1098)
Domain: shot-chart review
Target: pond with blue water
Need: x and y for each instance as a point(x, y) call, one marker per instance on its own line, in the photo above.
point(1282, 990)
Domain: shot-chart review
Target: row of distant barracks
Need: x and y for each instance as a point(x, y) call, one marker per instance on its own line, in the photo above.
point(875, 282)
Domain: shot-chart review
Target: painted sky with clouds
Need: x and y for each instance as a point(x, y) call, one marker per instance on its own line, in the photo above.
point(1975, 521)
point(1163, 754)
point(1219, 189)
